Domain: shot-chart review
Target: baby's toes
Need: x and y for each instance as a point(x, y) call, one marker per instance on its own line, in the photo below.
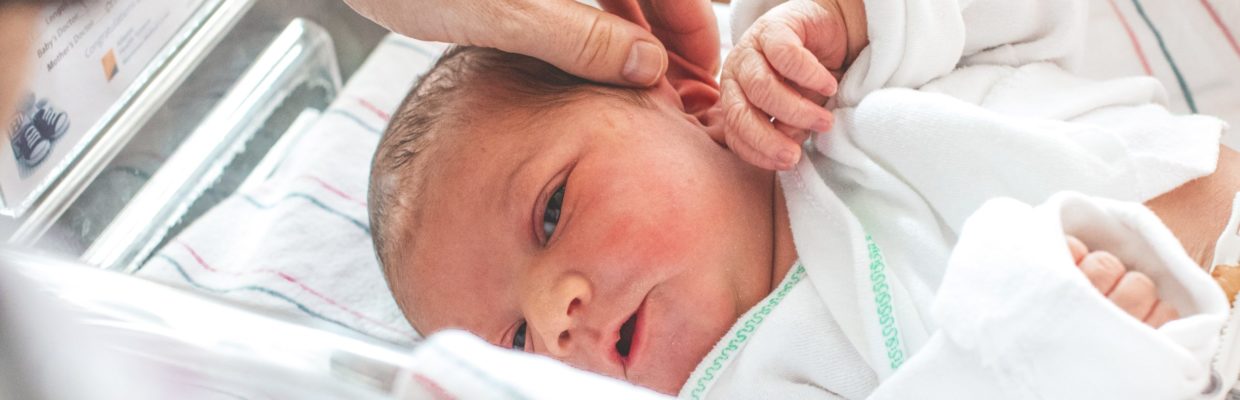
point(1103, 269)
point(1135, 294)
point(1077, 248)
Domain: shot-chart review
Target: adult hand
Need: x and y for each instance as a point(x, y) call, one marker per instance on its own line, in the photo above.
point(577, 38)
point(686, 28)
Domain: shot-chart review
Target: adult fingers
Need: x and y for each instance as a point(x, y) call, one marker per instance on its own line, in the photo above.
point(787, 54)
point(577, 38)
point(1103, 269)
point(751, 135)
point(766, 90)
point(687, 28)
point(1135, 294)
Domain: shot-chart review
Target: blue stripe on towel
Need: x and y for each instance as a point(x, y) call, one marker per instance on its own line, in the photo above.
point(361, 225)
point(259, 289)
point(417, 49)
point(353, 117)
point(1188, 95)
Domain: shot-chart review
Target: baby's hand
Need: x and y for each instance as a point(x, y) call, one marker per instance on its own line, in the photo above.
point(776, 78)
point(1132, 291)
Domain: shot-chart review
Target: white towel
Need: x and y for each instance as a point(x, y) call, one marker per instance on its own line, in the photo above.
point(299, 243)
point(1193, 47)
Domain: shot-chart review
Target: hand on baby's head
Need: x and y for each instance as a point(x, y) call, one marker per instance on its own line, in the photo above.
point(1131, 291)
point(777, 77)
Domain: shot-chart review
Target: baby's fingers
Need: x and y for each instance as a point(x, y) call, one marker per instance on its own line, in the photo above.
point(797, 135)
point(1162, 313)
point(767, 90)
point(1103, 270)
point(1135, 294)
point(1077, 248)
point(751, 135)
point(786, 52)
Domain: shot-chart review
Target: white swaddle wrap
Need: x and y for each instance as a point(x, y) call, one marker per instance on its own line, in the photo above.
point(1017, 319)
point(952, 104)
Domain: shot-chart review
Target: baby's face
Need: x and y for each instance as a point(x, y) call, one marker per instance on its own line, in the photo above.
point(658, 242)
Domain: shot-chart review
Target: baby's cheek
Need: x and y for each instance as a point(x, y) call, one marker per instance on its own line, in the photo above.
point(653, 243)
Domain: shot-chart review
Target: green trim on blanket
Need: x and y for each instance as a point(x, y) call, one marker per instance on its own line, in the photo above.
point(742, 335)
point(882, 304)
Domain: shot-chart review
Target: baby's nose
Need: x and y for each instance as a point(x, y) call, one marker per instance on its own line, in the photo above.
point(560, 319)
point(557, 312)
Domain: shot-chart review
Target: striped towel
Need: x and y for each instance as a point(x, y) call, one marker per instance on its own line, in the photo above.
point(300, 242)
point(1191, 46)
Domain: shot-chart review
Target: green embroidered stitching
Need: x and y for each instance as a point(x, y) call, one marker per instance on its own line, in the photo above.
point(742, 335)
point(882, 299)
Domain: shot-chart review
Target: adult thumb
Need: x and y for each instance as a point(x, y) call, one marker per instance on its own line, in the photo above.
point(586, 42)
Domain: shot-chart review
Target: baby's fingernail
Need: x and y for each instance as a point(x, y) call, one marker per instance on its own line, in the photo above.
point(644, 64)
point(822, 125)
point(787, 158)
point(1112, 261)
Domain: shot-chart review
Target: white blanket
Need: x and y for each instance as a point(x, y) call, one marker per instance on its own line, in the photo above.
point(878, 207)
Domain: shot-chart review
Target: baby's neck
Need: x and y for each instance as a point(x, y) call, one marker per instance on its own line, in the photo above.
point(783, 250)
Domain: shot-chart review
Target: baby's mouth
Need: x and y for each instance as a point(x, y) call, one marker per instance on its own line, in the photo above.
point(625, 343)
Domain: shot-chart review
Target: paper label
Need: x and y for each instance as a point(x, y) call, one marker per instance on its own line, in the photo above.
point(87, 56)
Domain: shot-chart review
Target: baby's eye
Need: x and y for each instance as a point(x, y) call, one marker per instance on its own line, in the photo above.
point(518, 337)
point(551, 217)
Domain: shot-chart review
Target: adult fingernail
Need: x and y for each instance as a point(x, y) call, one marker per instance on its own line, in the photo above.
point(644, 64)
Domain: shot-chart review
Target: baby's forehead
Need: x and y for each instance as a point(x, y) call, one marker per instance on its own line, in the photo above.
point(456, 272)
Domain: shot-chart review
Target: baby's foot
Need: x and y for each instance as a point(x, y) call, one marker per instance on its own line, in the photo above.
point(1131, 291)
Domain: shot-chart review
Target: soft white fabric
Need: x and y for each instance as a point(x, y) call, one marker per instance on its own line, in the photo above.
point(993, 114)
point(1123, 37)
point(459, 365)
point(299, 243)
point(1016, 313)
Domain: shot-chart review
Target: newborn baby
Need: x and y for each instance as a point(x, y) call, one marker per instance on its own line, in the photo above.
point(598, 225)
point(617, 229)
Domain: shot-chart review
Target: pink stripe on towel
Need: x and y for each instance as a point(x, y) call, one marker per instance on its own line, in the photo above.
point(374, 109)
point(289, 278)
point(1136, 44)
point(1222, 27)
point(335, 190)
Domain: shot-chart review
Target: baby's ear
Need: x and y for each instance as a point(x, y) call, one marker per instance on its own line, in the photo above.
point(696, 86)
point(687, 29)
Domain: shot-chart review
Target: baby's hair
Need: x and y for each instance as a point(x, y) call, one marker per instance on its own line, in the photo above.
point(466, 84)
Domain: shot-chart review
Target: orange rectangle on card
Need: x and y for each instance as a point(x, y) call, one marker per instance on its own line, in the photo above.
point(109, 65)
